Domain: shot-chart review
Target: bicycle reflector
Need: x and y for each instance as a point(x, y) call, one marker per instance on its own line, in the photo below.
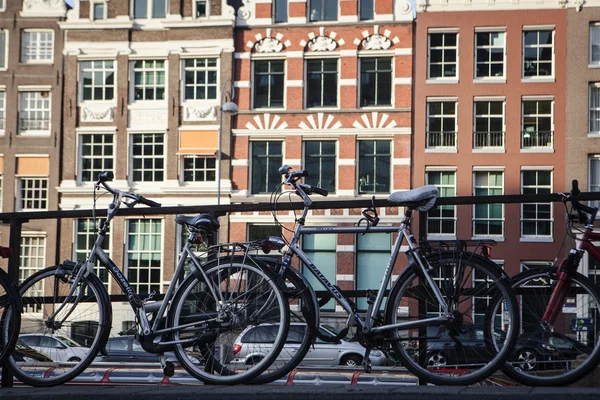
point(486, 251)
point(5, 252)
point(272, 243)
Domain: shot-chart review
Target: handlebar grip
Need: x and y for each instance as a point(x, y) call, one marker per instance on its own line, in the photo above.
point(148, 202)
point(299, 174)
point(575, 190)
point(321, 191)
point(105, 176)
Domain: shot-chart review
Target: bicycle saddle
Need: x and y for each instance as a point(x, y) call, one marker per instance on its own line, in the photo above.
point(203, 222)
point(420, 199)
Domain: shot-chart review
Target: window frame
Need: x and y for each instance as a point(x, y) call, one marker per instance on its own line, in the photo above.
point(206, 169)
point(447, 79)
point(360, 16)
point(100, 271)
point(81, 158)
point(104, 70)
point(593, 159)
point(591, 62)
point(20, 203)
point(306, 91)
point(474, 218)
point(376, 73)
point(6, 46)
point(2, 111)
point(136, 283)
point(149, 10)
point(206, 69)
point(441, 100)
point(537, 149)
point(591, 86)
point(27, 269)
point(284, 88)
point(390, 171)
point(195, 8)
point(321, 156)
point(37, 50)
point(309, 9)
point(251, 169)
point(154, 70)
point(441, 170)
point(287, 12)
point(34, 132)
point(537, 237)
point(130, 159)
point(488, 117)
point(104, 10)
point(538, 78)
point(489, 62)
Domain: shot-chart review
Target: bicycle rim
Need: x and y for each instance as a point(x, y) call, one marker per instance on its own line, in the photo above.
point(247, 298)
point(60, 348)
point(458, 352)
point(10, 319)
point(564, 352)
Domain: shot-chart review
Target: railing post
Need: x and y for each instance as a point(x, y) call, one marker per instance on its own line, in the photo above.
point(16, 226)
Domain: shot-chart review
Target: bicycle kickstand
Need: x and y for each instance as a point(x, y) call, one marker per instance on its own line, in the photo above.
point(366, 362)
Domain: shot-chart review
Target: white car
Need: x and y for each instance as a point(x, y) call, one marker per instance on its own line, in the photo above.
point(58, 348)
point(254, 342)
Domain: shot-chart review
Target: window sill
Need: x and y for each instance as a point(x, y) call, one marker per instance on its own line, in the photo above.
point(541, 150)
point(490, 80)
point(489, 150)
point(328, 108)
point(499, 239)
point(442, 81)
point(536, 240)
point(441, 237)
point(444, 150)
point(33, 134)
point(48, 62)
point(594, 135)
point(377, 107)
point(538, 80)
point(147, 104)
point(594, 65)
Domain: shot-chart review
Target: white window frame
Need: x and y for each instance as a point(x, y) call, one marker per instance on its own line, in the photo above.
point(591, 62)
point(194, 182)
point(357, 169)
point(205, 69)
point(37, 60)
point(35, 111)
point(81, 157)
point(254, 60)
point(338, 102)
point(337, 155)
point(594, 186)
point(1, 190)
point(30, 264)
point(104, 10)
point(393, 86)
point(319, 21)
point(150, 10)
point(104, 70)
point(251, 160)
point(3, 5)
point(6, 44)
point(442, 149)
point(90, 239)
point(485, 149)
point(537, 149)
point(592, 86)
point(19, 192)
point(489, 47)
point(446, 79)
point(538, 78)
point(144, 71)
point(537, 238)
point(474, 219)
point(441, 218)
point(130, 158)
point(135, 285)
point(2, 111)
point(474, 281)
point(194, 6)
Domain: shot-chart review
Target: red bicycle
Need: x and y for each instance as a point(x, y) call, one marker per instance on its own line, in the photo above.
point(559, 340)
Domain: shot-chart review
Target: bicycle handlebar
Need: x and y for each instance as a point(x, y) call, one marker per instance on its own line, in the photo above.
point(105, 176)
point(582, 210)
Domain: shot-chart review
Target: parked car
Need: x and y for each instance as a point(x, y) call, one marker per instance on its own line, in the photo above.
point(128, 349)
point(24, 353)
point(254, 342)
point(58, 348)
point(533, 350)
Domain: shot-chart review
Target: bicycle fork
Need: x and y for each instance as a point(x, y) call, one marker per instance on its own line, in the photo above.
point(562, 287)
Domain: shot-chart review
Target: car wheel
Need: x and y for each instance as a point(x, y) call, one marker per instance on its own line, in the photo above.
point(351, 361)
point(74, 359)
point(253, 360)
point(527, 360)
point(436, 360)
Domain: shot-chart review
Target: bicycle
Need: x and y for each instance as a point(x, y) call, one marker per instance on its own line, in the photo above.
point(437, 291)
point(551, 349)
point(198, 318)
point(10, 321)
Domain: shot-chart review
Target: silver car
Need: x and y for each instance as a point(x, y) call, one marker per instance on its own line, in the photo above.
point(253, 343)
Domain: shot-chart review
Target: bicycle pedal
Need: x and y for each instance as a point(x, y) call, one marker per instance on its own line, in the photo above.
point(169, 369)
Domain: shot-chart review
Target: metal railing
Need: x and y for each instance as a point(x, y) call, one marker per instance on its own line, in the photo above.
point(34, 124)
point(488, 139)
point(537, 139)
point(441, 140)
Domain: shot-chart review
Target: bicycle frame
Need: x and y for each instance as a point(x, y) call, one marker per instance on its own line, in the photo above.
point(413, 254)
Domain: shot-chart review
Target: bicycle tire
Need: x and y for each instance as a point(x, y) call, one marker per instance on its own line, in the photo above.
point(42, 293)
point(193, 301)
point(468, 303)
point(10, 316)
point(300, 336)
point(530, 286)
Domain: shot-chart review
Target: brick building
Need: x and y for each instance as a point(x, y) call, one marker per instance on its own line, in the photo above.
point(324, 86)
point(31, 45)
point(489, 119)
point(142, 101)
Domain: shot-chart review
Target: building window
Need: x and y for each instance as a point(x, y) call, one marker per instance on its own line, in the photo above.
point(322, 81)
point(367, 9)
point(323, 10)
point(145, 9)
point(594, 178)
point(321, 250)
point(594, 44)
point(280, 10)
point(488, 218)
point(482, 284)
point(1, 184)
point(489, 125)
point(372, 256)
point(594, 108)
point(96, 155)
point(441, 124)
point(201, 9)
point(98, 80)
point(98, 11)
point(442, 219)
point(536, 218)
point(319, 160)
point(443, 51)
point(537, 124)
point(144, 254)
point(199, 169)
point(37, 47)
point(269, 77)
point(375, 82)
point(33, 193)
point(34, 114)
point(266, 160)
point(148, 157)
point(538, 53)
point(201, 75)
point(149, 78)
point(32, 260)
point(257, 232)
point(2, 110)
point(3, 48)
point(489, 54)
point(374, 158)
point(85, 237)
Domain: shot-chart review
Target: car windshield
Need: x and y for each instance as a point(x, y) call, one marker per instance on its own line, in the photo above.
point(68, 341)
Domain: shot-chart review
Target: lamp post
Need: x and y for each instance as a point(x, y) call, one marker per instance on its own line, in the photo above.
point(231, 109)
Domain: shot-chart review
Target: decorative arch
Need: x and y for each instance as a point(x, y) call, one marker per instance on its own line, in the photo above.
point(375, 122)
point(320, 123)
point(376, 40)
point(266, 123)
point(270, 43)
point(322, 42)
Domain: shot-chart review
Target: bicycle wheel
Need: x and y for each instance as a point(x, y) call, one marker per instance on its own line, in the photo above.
point(300, 336)
point(60, 346)
point(459, 351)
point(10, 316)
point(247, 306)
point(554, 355)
